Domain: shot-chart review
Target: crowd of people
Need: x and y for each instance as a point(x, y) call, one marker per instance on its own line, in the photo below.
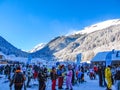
point(108, 75)
point(21, 75)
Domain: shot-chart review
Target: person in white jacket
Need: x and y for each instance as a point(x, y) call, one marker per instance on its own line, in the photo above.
point(29, 75)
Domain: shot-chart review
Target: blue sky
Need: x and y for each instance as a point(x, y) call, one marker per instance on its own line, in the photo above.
point(26, 23)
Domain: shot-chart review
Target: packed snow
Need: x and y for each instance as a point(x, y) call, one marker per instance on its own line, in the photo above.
point(88, 85)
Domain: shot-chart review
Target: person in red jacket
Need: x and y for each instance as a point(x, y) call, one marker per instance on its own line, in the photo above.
point(95, 69)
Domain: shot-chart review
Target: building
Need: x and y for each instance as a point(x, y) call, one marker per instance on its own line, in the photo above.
point(100, 57)
point(2, 57)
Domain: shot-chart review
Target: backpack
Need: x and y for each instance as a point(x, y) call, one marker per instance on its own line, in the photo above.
point(18, 78)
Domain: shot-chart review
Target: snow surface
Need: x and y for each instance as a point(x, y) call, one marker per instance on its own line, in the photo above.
point(98, 26)
point(88, 85)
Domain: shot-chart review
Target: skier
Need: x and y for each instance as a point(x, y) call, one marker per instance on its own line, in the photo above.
point(82, 75)
point(91, 73)
point(69, 78)
point(53, 75)
point(73, 76)
point(35, 74)
point(29, 75)
point(41, 79)
point(108, 77)
point(100, 76)
point(60, 77)
point(7, 70)
point(18, 79)
point(79, 76)
point(95, 70)
point(117, 79)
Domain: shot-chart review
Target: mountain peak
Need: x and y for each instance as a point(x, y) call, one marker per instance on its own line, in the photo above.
point(37, 47)
point(98, 26)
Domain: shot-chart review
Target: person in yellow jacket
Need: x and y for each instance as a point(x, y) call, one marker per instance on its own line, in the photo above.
point(108, 78)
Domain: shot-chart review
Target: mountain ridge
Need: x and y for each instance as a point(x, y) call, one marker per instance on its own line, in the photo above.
point(98, 26)
point(67, 47)
point(86, 43)
point(37, 47)
point(9, 49)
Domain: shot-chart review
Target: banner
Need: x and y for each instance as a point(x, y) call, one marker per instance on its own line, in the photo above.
point(78, 58)
point(108, 59)
point(29, 59)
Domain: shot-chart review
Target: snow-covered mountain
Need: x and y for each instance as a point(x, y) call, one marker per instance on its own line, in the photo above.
point(37, 47)
point(99, 37)
point(98, 26)
point(9, 49)
point(102, 36)
point(55, 45)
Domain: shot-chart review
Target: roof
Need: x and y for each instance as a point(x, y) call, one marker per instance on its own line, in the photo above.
point(101, 56)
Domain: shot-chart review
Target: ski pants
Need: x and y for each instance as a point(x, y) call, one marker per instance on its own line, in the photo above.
point(60, 81)
point(18, 87)
point(68, 82)
point(109, 83)
point(29, 79)
point(53, 84)
point(42, 85)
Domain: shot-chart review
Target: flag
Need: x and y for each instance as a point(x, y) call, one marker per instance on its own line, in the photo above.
point(78, 58)
point(108, 59)
point(29, 59)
